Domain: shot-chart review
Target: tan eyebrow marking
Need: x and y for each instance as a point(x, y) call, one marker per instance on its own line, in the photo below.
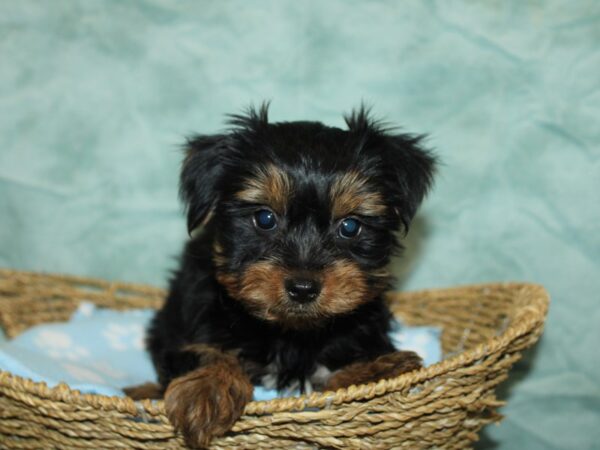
point(351, 194)
point(270, 186)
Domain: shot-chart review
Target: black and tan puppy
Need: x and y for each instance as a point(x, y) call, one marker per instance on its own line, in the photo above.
point(284, 285)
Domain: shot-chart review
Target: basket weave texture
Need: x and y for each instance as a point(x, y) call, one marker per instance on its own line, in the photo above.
point(485, 329)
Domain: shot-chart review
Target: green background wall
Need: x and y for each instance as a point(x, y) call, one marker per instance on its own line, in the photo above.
point(97, 96)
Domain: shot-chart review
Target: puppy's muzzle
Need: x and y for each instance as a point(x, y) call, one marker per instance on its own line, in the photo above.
point(302, 290)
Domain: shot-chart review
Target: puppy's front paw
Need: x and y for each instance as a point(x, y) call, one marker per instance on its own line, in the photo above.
point(147, 390)
point(207, 402)
point(386, 366)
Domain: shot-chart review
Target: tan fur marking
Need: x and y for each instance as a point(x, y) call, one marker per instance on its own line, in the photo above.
point(350, 194)
point(386, 366)
point(344, 288)
point(270, 187)
point(229, 281)
point(208, 401)
point(260, 287)
point(219, 259)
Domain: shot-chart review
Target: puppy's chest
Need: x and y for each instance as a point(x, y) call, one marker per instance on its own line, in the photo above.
point(287, 367)
point(313, 380)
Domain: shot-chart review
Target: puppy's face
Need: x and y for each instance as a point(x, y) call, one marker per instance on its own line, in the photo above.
point(304, 215)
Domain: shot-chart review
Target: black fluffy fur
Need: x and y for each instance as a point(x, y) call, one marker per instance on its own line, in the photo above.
point(198, 308)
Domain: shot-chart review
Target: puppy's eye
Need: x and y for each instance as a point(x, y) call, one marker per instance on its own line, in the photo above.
point(265, 219)
point(349, 228)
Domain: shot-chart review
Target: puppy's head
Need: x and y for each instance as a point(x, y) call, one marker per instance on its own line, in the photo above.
point(305, 214)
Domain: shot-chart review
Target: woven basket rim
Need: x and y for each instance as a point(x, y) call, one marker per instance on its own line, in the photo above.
point(524, 321)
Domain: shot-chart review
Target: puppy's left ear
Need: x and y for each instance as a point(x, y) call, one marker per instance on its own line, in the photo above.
point(410, 174)
point(200, 175)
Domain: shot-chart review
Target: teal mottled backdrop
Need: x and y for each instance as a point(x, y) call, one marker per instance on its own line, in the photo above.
point(96, 97)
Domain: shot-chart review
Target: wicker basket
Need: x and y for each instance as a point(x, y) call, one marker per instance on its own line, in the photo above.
point(485, 328)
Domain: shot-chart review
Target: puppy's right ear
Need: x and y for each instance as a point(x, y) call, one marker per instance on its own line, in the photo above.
point(200, 174)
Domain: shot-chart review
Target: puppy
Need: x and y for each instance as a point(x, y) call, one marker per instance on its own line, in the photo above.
point(283, 287)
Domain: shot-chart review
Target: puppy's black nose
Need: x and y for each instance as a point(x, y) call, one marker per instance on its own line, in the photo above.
point(302, 290)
